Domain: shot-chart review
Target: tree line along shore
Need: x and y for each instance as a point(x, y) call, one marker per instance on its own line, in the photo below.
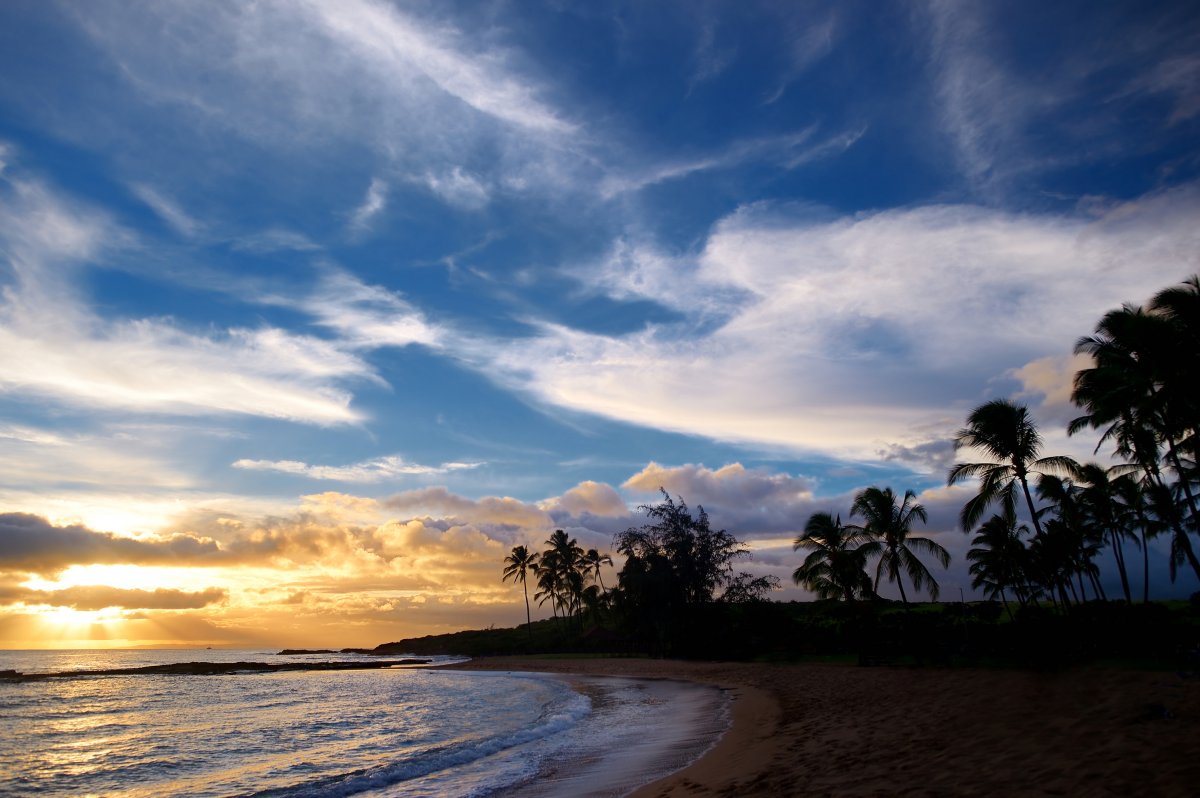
point(1041, 527)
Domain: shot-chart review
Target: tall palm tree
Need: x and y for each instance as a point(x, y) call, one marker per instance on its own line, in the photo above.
point(997, 558)
point(516, 566)
point(566, 558)
point(592, 560)
point(890, 523)
point(1139, 393)
point(836, 566)
point(550, 582)
point(1078, 538)
point(1101, 500)
point(1003, 430)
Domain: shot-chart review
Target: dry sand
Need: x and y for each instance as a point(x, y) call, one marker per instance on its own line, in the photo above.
point(839, 730)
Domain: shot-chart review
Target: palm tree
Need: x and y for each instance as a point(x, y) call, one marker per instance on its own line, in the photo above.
point(997, 558)
point(550, 583)
point(1078, 538)
point(1004, 430)
point(566, 559)
point(1139, 393)
point(1100, 499)
point(592, 560)
point(890, 524)
point(836, 566)
point(516, 566)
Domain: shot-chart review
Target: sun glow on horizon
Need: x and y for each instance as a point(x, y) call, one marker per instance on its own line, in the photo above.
point(128, 577)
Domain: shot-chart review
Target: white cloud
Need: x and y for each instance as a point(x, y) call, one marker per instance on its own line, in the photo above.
point(399, 45)
point(788, 151)
point(458, 188)
point(324, 75)
point(375, 470)
point(275, 240)
point(851, 335)
point(168, 210)
point(53, 345)
point(372, 205)
point(366, 316)
point(811, 40)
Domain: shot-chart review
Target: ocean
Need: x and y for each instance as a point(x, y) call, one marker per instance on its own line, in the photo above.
point(390, 733)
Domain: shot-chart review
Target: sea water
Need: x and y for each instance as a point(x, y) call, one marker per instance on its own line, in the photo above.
point(372, 733)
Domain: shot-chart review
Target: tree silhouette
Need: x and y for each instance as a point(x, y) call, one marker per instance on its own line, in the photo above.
point(1003, 430)
point(998, 559)
point(517, 565)
point(836, 565)
point(890, 523)
point(1139, 393)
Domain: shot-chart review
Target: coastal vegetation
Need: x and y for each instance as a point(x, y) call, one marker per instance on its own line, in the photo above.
point(1042, 525)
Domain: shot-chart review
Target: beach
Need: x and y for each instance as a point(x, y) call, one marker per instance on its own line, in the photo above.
point(832, 729)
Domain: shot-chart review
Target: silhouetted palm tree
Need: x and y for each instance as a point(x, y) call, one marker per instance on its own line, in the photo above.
point(836, 566)
point(997, 558)
point(550, 583)
point(592, 560)
point(1139, 392)
point(1077, 538)
point(1102, 500)
point(516, 566)
point(566, 558)
point(890, 523)
point(1004, 430)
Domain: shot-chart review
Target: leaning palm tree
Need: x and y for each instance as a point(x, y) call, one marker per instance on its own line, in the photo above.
point(890, 523)
point(1003, 430)
point(836, 566)
point(516, 566)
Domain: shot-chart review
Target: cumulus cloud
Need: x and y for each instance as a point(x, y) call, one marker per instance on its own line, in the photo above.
point(32, 544)
point(375, 470)
point(490, 510)
point(1049, 381)
point(746, 501)
point(588, 498)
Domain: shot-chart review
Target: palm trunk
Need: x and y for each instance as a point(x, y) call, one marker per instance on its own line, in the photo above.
point(1119, 555)
point(528, 619)
point(1037, 525)
point(1145, 568)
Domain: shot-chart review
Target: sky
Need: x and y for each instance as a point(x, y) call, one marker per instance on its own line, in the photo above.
point(310, 311)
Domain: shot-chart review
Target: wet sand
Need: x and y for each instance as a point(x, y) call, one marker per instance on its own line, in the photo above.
point(839, 730)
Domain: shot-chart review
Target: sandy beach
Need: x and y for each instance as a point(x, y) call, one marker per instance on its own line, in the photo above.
point(838, 730)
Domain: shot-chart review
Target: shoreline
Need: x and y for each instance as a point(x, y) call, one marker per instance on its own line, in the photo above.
point(816, 729)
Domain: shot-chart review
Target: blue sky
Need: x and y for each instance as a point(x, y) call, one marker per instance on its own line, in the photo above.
point(350, 264)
